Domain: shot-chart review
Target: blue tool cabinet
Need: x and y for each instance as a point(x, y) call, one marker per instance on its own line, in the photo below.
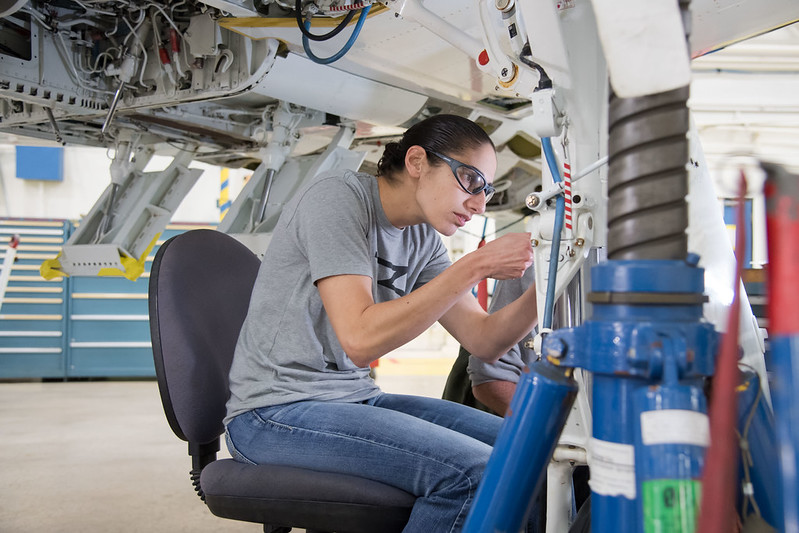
point(33, 315)
point(71, 327)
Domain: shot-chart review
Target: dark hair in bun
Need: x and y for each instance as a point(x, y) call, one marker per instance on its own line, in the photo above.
point(441, 133)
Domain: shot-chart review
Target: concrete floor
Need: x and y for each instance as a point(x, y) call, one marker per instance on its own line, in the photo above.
point(99, 456)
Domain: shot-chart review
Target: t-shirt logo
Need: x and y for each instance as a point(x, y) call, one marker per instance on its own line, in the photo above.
point(397, 272)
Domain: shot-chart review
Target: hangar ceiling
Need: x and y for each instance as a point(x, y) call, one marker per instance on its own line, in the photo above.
point(745, 101)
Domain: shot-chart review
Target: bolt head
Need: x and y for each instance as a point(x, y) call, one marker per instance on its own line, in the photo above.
point(557, 348)
point(529, 344)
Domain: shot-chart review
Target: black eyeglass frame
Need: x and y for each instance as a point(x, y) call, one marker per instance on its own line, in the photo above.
point(454, 165)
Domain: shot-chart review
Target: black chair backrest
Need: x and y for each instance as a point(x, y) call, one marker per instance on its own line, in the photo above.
point(200, 286)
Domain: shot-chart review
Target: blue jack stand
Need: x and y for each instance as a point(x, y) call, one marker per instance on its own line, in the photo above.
point(648, 350)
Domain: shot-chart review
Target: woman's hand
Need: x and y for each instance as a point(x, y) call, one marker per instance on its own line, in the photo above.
point(507, 257)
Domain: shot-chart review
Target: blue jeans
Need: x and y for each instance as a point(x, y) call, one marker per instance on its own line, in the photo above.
point(434, 449)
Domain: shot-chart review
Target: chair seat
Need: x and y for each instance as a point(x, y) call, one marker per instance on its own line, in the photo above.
point(278, 495)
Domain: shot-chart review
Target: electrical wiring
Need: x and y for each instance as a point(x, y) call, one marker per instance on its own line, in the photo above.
point(338, 55)
point(141, 13)
point(288, 6)
point(305, 27)
point(176, 5)
point(74, 22)
point(38, 16)
point(143, 49)
point(101, 55)
point(80, 58)
point(164, 64)
point(350, 7)
point(92, 10)
point(93, 41)
point(110, 34)
point(167, 17)
point(526, 57)
point(74, 71)
point(107, 56)
point(746, 459)
point(133, 27)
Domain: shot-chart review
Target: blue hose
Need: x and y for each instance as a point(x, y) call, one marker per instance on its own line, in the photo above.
point(560, 209)
point(346, 48)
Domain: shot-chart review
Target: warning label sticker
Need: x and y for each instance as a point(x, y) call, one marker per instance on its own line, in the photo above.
point(675, 426)
point(612, 468)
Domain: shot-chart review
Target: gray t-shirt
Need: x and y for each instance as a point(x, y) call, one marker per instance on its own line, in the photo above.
point(287, 350)
point(509, 367)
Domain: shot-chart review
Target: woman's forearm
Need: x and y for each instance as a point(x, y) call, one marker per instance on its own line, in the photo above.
point(368, 330)
point(502, 330)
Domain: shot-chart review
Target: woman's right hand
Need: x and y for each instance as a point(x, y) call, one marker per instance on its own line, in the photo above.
point(507, 257)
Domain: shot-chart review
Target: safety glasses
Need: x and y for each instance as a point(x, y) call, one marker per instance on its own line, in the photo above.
point(469, 178)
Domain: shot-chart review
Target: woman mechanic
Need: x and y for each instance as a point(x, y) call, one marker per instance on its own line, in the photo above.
point(355, 269)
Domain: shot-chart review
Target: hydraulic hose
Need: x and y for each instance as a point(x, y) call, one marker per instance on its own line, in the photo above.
point(560, 208)
point(338, 55)
point(305, 27)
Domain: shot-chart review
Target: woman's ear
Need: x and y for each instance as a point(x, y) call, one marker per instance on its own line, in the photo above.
point(415, 158)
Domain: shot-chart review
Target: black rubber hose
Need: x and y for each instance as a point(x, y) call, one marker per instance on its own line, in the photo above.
point(314, 37)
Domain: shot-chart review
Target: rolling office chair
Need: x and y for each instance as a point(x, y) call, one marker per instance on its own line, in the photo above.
point(200, 287)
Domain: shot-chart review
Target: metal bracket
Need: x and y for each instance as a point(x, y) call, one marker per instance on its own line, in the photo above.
point(121, 229)
point(415, 11)
point(573, 252)
point(254, 213)
point(547, 113)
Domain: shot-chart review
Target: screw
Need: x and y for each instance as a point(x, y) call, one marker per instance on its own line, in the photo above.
point(529, 344)
point(534, 242)
point(579, 242)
